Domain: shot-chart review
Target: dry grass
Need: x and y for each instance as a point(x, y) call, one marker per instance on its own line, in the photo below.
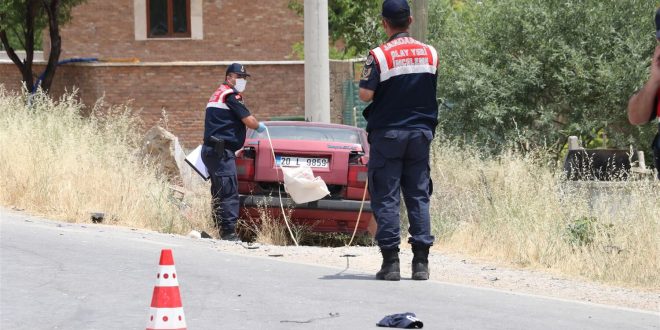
point(55, 162)
point(269, 229)
point(519, 209)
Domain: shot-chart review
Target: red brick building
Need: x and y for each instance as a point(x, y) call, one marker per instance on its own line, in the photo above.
point(210, 30)
point(181, 49)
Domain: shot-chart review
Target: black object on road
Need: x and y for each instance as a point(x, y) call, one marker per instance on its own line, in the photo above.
point(97, 217)
point(404, 320)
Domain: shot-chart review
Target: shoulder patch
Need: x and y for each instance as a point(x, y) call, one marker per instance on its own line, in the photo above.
point(366, 72)
point(370, 60)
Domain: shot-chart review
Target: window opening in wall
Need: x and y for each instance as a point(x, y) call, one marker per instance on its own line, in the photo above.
point(168, 18)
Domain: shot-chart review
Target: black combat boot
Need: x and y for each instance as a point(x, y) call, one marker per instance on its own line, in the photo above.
point(230, 235)
point(420, 262)
point(389, 271)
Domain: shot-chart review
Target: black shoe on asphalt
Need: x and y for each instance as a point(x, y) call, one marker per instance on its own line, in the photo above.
point(232, 237)
point(420, 271)
point(389, 270)
point(420, 263)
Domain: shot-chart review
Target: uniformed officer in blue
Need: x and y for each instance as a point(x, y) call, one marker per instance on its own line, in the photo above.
point(400, 78)
point(224, 133)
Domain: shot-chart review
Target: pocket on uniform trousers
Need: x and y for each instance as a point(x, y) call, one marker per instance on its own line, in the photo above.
point(229, 185)
point(388, 145)
point(226, 166)
point(428, 135)
point(375, 164)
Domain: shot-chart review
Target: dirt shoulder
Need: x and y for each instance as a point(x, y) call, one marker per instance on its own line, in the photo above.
point(459, 270)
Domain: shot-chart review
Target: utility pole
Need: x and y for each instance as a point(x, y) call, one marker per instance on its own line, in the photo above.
point(420, 16)
point(317, 62)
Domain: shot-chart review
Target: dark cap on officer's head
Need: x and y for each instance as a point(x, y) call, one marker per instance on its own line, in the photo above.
point(657, 23)
point(238, 69)
point(395, 9)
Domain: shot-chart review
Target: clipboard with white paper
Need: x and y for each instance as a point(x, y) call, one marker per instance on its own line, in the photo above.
point(194, 159)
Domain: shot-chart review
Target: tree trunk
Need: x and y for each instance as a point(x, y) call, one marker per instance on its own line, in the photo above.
point(52, 8)
point(14, 58)
point(31, 14)
point(24, 66)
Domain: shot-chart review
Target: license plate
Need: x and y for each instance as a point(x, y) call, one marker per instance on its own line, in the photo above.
point(289, 161)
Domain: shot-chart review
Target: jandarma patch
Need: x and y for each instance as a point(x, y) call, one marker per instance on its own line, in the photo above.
point(370, 59)
point(366, 72)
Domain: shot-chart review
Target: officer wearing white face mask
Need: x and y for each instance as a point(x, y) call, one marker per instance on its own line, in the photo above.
point(224, 133)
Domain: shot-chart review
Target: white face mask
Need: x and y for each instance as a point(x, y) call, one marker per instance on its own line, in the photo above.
point(240, 84)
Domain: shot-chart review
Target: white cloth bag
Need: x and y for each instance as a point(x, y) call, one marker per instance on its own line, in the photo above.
point(302, 186)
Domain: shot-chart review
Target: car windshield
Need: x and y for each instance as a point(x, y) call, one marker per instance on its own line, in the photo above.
point(309, 133)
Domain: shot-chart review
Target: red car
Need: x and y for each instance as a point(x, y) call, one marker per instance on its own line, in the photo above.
point(336, 153)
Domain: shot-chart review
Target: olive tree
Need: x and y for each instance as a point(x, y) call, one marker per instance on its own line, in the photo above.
point(355, 23)
point(538, 71)
point(20, 24)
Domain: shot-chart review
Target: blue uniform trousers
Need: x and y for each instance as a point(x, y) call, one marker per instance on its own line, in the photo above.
point(399, 162)
point(224, 188)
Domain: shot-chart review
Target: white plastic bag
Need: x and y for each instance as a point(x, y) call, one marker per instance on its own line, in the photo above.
point(302, 186)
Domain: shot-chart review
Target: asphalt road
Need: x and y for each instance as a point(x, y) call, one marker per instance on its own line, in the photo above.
point(57, 275)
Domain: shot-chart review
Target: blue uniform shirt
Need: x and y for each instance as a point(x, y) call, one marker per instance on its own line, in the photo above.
point(407, 101)
point(226, 124)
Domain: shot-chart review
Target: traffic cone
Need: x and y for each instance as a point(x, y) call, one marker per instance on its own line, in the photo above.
point(166, 312)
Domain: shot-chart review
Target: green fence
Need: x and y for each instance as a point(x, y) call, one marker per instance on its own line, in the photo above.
point(353, 106)
point(287, 118)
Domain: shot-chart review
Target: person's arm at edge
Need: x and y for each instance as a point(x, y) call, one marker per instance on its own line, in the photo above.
point(251, 122)
point(366, 95)
point(641, 105)
point(368, 79)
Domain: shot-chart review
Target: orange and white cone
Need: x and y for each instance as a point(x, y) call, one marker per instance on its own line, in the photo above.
point(166, 312)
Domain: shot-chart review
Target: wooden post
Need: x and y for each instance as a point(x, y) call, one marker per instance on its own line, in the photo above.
point(573, 143)
point(420, 14)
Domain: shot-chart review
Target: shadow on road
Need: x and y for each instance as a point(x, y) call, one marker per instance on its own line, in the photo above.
point(341, 276)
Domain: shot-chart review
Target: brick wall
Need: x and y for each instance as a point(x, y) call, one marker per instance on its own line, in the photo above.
point(232, 29)
point(180, 75)
point(183, 89)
